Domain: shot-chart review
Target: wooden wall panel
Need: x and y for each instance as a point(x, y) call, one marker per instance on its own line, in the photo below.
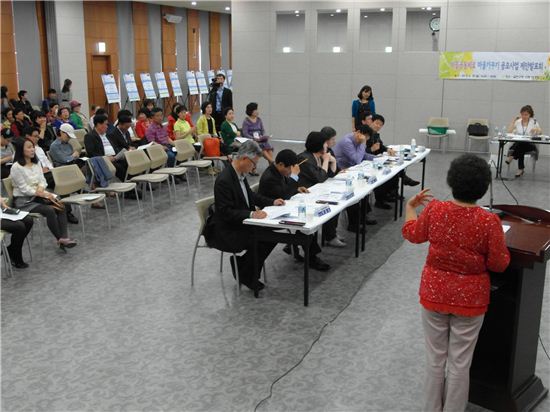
point(141, 42)
point(193, 25)
point(193, 36)
point(215, 41)
point(41, 18)
point(100, 25)
point(169, 63)
point(230, 45)
point(8, 67)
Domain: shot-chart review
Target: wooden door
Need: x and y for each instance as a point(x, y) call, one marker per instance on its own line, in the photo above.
point(101, 64)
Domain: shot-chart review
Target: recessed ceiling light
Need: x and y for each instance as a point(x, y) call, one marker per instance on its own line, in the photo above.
point(423, 8)
point(193, 3)
point(388, 49)
point(286, 49)
point(297, 15)
point(227, 8)
point(365, 16)
point(433, 14)
point(428, 8)
point(296, 11)
point(382, 9)
point(336, 49)
point(338, 10)
point(332, 15)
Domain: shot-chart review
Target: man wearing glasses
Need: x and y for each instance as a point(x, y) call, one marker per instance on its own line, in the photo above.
point(235, 202)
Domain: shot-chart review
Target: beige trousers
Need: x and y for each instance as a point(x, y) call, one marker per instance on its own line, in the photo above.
point(450, 344)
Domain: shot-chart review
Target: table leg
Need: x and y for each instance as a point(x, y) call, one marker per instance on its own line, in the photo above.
point(499, 158)
point(255, 254)
point(423, 171)
point(306, 270)
point(357, 231)
point(396, 203)
point(363, 204)
point(401, 191)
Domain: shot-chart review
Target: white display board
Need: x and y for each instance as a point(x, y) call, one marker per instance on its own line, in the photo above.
point(201, 81)
point(175, 81)
point(148, 87)
point(131, 87)
point(230, 78)
point(161, 85)
point(211, 75)
point(191, 83)
point(111, 89)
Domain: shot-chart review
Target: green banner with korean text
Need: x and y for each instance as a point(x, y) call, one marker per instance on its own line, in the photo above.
point(470, 65)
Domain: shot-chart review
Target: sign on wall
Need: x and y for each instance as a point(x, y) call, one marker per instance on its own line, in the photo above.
point(495, 66)
point(201, 81)
point(211, 75)
point(111, 90)
point(161, 85)
point(230, 78)
point(131, 87)
point(191, 83)
point(176, 87)
point(148, 87)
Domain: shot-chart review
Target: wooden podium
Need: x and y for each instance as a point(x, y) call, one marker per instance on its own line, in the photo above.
point(502, 376)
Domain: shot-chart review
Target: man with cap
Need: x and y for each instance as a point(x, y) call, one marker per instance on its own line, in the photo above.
point(280, 180)
point(79, 119)
point(61, 152)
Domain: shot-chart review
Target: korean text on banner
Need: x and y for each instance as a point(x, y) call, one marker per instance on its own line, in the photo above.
point(161, 85)
point(522, 66)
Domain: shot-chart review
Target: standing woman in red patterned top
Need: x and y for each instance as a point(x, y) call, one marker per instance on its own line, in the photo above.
point(465, 243)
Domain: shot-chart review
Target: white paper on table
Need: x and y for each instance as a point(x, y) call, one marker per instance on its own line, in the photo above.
point(241, 139)
point(145, 146)
point(275, 212)
point(505, 228)
point(21, 215)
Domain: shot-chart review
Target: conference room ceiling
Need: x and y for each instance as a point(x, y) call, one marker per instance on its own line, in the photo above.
point(216, 6)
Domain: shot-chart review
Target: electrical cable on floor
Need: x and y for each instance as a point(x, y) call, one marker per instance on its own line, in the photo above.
point(504, 184)
point(316, 339)
point(543, 348)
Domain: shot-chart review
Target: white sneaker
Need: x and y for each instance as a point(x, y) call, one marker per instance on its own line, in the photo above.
point(336, 243)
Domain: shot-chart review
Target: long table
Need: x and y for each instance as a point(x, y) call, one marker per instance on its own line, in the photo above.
point(303, 235)
point(512, 138)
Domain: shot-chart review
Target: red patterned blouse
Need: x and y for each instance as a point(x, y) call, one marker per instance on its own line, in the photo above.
point(465, 242)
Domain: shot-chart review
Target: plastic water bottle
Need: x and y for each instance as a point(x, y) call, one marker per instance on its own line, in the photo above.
point(302, 210)
point(401, 156)
point(413, 147)
point(504, 132)
point(497, 132)
point(349, 185)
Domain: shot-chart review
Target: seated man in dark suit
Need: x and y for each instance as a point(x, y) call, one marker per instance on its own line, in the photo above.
point(235, 202)
point(280, 180)
point(98, 143)
point(120, 135)
point(376, 146)
point(318, 166)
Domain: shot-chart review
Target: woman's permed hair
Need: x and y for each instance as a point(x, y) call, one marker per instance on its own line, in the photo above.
point(469, 178)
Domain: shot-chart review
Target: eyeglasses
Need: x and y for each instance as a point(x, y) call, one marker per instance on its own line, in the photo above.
point(253, 162)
